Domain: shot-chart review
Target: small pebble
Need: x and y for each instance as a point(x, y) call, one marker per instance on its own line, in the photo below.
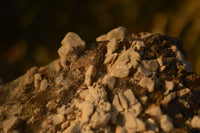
point(109, 81)
point(43, 85)
point(120, 129)
point(169, 85)
point(116, 104)
point(72, 45)
point(141, 126)
point(195, 122)
point(123, 101)
point(148, 83)
point(130, 121)
point(151, 125)
point(150, 65)
point(168, 98)
point(141, 72)
point(37, 79)
point(112, 46)
point(90, 74)
point(130, 96)
point(166, 123)
point(118, 33)
point(154, 110)
point(183, 92)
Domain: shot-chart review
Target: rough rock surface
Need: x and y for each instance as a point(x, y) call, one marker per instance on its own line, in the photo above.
point(72, 46)
point(120, 84)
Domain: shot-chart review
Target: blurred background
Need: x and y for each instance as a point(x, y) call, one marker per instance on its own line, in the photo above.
point(31, 31)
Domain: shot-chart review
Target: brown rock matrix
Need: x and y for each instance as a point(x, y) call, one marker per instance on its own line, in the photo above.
point(123, 83)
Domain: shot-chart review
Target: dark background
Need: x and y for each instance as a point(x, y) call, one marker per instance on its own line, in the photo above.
point(31, 31)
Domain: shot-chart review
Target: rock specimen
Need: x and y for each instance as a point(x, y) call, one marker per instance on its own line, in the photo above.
point(120, 84)
point(72, 46)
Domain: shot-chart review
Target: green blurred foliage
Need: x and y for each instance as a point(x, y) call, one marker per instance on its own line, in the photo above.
point(31, 31)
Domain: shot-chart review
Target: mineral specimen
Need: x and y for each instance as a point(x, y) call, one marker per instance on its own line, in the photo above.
point(120, 84)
